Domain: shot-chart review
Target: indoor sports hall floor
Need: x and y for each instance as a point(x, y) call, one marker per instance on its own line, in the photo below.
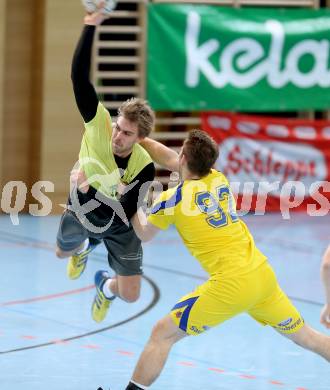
point(48, 340)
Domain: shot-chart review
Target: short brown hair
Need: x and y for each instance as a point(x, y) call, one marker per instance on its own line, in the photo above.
point(138, 111)
point(201, 152)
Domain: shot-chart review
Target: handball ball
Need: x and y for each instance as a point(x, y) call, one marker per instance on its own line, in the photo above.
point(92, 5)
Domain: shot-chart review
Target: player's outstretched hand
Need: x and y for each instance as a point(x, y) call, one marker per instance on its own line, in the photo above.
point(325, 316)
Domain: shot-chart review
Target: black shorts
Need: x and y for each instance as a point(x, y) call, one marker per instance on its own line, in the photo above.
point(123, 246)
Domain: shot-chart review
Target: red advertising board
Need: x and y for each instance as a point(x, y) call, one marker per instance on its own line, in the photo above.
point(273, 163)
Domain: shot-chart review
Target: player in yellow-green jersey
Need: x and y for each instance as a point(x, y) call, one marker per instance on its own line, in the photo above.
point(113, 174)
point(202, 209)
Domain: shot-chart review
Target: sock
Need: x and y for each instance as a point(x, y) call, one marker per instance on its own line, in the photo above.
point(139, 386)
point(135, 386)
point(85, 246)
point(107, 291)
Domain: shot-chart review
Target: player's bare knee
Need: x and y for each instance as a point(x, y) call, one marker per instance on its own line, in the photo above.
point(301, 341)
point(130, 295)
point(304, 337)
point(59, 253)
point(159, 331)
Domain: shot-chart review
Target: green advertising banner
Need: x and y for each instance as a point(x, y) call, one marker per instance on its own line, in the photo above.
point(255, 59)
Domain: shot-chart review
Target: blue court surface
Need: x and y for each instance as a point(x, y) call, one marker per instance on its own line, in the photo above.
point(48, 340)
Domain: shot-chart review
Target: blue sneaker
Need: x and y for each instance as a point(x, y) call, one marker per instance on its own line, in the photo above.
point(101, 303)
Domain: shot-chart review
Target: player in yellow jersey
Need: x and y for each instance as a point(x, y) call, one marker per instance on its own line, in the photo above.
point(325, 275)
point(203, 211)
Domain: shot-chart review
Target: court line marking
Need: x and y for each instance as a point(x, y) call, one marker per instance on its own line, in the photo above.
point(48, 297)
point(154, 301)
point(48, 247)
point(64, 341)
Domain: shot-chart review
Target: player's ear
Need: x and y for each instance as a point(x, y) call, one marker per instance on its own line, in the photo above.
point(182, 157)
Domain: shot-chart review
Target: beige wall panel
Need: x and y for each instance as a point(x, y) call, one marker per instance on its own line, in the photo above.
point(2, 51)
point(20, 100)
point(17, 60)
point(61, 123)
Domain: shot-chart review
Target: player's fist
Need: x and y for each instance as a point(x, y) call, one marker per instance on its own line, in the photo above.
point(78, 180)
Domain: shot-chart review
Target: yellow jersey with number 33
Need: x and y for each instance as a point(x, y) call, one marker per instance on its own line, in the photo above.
point(204, 214)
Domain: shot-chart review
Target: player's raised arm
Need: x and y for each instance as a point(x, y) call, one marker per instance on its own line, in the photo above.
point(161, 154)
point(85, 94)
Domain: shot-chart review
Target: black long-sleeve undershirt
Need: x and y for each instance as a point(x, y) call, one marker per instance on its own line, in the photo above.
point(83, 89)
point(87, 102)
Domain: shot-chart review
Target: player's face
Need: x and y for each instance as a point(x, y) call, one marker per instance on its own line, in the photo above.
point(124, 136)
